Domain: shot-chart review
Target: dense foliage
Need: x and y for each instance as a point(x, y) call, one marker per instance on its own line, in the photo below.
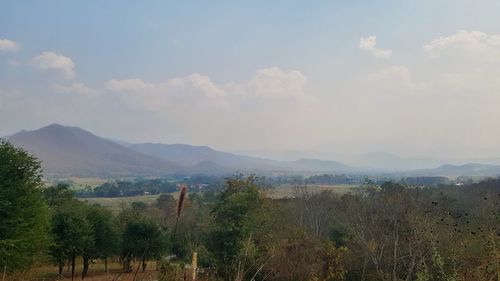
point(23, 212)
point(146, 186)
point(129, 188)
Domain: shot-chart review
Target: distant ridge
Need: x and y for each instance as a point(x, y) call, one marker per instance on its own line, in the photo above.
point(468, 169)
point(189, 155)
point(71, 151)
point(204, 156)
point(320, 165)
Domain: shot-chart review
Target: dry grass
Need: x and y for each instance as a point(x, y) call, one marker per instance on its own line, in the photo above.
point(96, 273)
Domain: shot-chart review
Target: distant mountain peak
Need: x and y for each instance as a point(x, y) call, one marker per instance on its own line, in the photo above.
point(56, 126)
point(72, 151)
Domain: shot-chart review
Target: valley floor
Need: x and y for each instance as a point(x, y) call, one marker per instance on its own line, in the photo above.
point(116, 204)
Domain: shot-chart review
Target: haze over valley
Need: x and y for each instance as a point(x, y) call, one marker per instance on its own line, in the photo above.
point(71, 151)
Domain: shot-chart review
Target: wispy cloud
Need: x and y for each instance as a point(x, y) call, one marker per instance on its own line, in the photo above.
point(465, 42)
point(53, 61)
point(199, 90)
point(76, 88)
point(7, 45)
point(368, 45)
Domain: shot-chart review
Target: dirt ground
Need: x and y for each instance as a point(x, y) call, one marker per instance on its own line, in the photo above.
point(116, 275)
point(96, 273)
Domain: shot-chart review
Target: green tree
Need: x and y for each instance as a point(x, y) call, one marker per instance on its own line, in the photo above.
point(142, 240)
point(58, 195)
point(23, 212)
point(241, 225)
point(105, 233)
point(96, 237)
point(72, 234)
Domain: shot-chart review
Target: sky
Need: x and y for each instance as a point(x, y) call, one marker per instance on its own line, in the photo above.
point(412, 78)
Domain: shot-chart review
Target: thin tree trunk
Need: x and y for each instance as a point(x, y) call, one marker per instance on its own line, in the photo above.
point(61, 268)
point(144, 264)
point(4, 270)
point(73, 265)
point(142, 259)
point(85, 267)
point(395, 252)
point(126, 264)
point(106, 265)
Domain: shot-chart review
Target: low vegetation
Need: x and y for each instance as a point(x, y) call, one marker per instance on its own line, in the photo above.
point(378, 231)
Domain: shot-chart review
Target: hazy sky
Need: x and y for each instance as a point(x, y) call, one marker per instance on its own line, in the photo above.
point(415, 78)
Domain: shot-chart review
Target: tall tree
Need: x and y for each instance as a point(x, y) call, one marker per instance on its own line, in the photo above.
point(72, 234)
point(105, 233)
point(143, 240)
point(23, 212)
point(241, 224)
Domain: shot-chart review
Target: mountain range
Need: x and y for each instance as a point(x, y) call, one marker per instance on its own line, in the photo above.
point(72, 151)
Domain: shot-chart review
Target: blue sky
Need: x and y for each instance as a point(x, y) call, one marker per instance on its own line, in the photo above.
point(247, 75)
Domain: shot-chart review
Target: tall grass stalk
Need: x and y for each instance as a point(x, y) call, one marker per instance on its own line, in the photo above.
point(180, 206)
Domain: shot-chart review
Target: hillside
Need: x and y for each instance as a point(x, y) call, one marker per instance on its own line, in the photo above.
point(71, 151)
point(204, 156)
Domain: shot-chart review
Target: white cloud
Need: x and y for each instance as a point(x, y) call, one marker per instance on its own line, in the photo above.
point(276, 83)
point(199, 90)
point(7, 45)
point(195, 85)
point(53, 61)
point(465, 42)
point(191, 90)
point(368, 45)
point(77, 88)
